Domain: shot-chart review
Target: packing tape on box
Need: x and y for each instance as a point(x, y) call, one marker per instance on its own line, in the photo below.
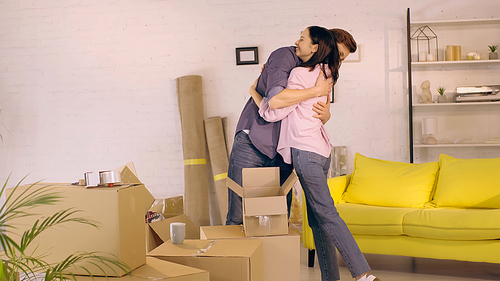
point(147, 277)
point(103, 178)
point(265, 221)
point(204, 250)
point(221, 176)
point(195, 161)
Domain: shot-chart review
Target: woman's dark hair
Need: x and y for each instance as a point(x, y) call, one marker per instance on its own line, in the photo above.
point(327, 53)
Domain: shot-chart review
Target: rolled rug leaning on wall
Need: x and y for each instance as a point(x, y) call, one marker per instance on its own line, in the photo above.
point(219, 161)
point(196, 206)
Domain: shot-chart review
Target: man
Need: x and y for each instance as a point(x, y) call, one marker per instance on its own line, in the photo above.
point(256, 140)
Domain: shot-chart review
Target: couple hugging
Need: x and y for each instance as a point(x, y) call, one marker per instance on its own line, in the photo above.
point(282, 126)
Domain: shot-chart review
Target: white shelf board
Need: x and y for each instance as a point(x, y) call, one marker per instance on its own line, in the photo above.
point(457, 62)
point(456, 145)
point(457, 22)
point(483, 103)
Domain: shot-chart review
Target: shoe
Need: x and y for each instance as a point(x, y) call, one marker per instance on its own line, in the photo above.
point(368, 277)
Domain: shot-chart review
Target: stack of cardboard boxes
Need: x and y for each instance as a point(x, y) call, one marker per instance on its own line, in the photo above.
point(119, 212)
point(261, 249)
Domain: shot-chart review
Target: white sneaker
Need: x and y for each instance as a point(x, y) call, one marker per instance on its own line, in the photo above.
point(368, 277)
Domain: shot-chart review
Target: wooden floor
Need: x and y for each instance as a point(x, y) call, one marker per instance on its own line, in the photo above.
point(395, 268)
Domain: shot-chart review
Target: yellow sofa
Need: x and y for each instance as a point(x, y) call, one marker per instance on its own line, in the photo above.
point(442, 210)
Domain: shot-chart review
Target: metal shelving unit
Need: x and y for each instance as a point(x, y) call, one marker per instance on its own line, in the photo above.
point(450, 110)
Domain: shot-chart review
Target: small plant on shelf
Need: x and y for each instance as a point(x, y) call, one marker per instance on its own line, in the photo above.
point(441, 90)
point(493, 52)
point(441, 97)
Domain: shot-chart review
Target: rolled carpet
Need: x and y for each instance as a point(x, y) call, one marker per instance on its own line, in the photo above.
point(219, 160)
point(196, 206)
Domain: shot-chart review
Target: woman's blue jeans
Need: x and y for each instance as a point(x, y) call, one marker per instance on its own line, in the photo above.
point(245, 155)
point(329, 230)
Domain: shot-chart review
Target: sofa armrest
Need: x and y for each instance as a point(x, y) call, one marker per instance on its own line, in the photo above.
point(337, 186)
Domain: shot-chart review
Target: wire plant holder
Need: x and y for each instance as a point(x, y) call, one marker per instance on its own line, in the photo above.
point(425, 33)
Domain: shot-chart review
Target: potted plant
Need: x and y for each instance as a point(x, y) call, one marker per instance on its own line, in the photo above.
point(16, 260)
point(493, 53)
point(441, 97)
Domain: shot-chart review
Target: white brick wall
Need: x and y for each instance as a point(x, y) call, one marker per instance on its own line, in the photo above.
point(88, 85)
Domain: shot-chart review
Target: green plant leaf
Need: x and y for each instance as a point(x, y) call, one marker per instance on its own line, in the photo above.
point(60, 217)
point(98, 260)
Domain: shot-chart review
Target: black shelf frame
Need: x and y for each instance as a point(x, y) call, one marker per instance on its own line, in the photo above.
point(410, 90)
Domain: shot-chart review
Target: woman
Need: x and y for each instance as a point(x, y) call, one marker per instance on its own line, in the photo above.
point(305, 143)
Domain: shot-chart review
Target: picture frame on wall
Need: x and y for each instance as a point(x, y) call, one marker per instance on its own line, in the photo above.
point(247, 55)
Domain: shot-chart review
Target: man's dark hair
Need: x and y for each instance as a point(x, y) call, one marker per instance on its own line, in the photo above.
point(345, 38)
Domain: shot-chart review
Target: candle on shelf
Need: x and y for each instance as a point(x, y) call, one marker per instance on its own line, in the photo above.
point(457, 52)
point(449, 53)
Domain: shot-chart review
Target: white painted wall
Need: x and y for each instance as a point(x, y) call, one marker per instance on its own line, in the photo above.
point(89, 85)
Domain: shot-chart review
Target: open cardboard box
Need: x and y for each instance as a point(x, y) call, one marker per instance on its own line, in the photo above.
point(226, 260)
point(119, 211)
point(264, 200)
point(156, 269)
point(159, 231)
point(281, 253)
point(168, 206)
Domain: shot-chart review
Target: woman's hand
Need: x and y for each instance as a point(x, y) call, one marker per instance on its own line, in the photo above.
point(322, 110)
point(323, 86)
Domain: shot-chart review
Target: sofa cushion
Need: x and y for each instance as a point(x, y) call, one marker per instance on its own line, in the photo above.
point(468, 183)
point(373, 220)
point(388, 183)
point(453, 224)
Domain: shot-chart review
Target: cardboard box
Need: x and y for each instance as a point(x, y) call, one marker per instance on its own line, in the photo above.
point(159, 231)
point(118, 210)
point(281, 253)
point(226, 260)
point(156, 269)
point(264, 200)
point(168, 206)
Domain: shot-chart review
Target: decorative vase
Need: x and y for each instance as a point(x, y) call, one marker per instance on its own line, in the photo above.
point(493, 55)
point(441, 99)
